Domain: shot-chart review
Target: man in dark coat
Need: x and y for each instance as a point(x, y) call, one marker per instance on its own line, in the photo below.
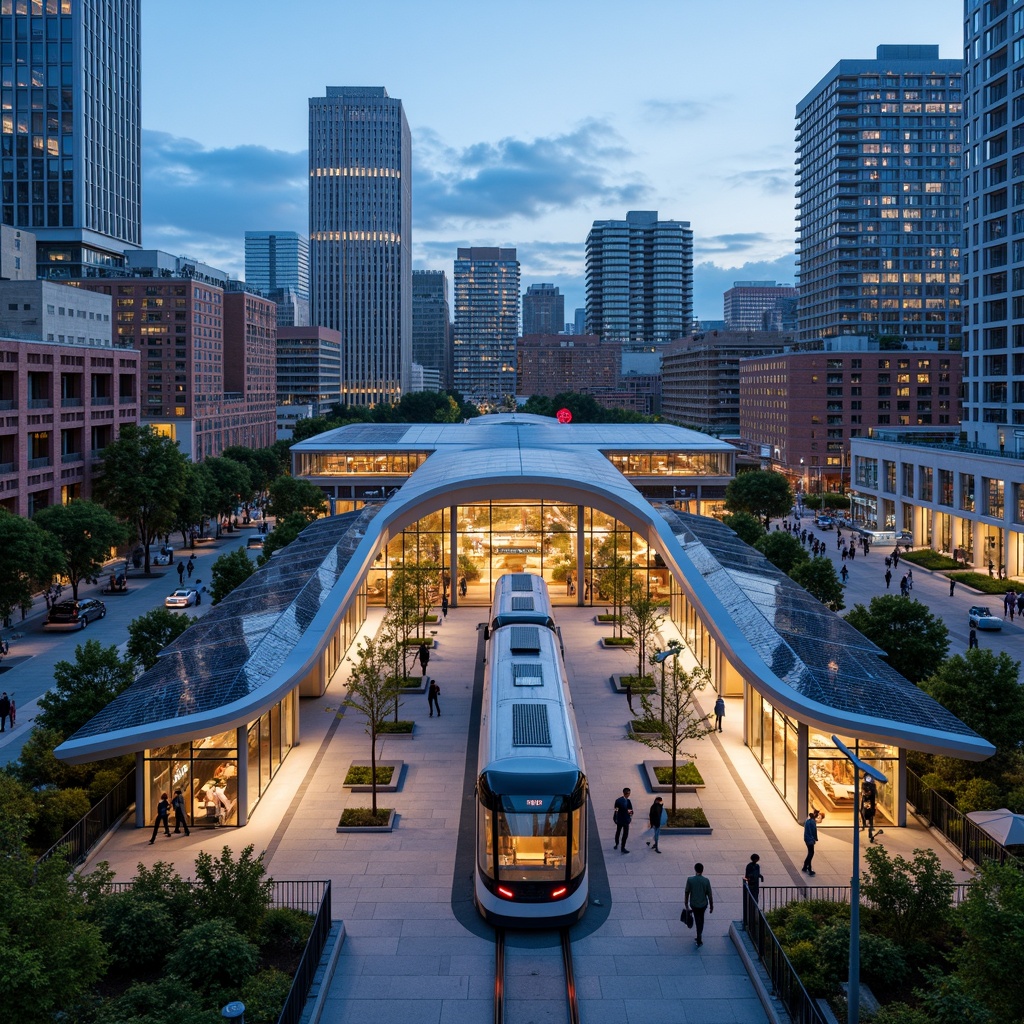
point(623, 816)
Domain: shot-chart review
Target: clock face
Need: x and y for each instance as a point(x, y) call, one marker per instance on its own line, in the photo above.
point(563, 416)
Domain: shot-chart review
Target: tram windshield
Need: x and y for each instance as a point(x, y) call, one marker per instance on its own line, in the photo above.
point(535, 837)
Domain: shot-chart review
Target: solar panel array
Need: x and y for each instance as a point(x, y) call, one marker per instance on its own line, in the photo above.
point(525, 639)
point(814, 650)
point(522, 604)
point(522, 581)
point(530, 725)
point(527, 674)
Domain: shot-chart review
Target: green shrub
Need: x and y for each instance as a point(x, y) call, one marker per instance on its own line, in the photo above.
point(161, 1002)
point(901, 1013)
point(264, 995)
point(983, 582)
point(139, 932)
point(803, 955)
point(285, 928)
point(978, 795)
point(59, 810)
point(686, 775)
point(362, 775)
point(617, 641)
point(688, 817)
point(881, 961)
point(644, 724)
point(236, 890)
point(644, 684)
point(213, 959)
point(403, 725)
point(162, 885)
point(363, 817)
point(928, 559)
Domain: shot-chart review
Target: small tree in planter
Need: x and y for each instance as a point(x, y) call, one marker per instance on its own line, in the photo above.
point(616, 582)
point(372, 693)
point(402, 621)
point(681, 720)
point(641, 618)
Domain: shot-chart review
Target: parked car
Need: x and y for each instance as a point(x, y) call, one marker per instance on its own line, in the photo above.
point(824, 522)
point(183, 597)
point(75, 614)
point(255, 543)
point(979, 617)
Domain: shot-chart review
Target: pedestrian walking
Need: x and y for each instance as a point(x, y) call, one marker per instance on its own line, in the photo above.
point(910, 579)
point(629, 697)
point(622, 817)
point(904, 589)
point(180, 819)
point(752, 875)
point(972, 640)
point(163, 812)
point(1013, 604)
point(952, 586)
point(444, 605)
point(888, 561)
point(1006, 602)
point(13, 712)
point(5, 711)
point(699, 898)
point(190, 568)
point(1020, 603)
point(810, 838)
point(868, 800)
point(844, 573)
point(424, 655)
point(719, 712)
point(433, 693)
point(181, 573)
point(463, 586)
point(853, 552)
point(658, 817)
point(888, 578)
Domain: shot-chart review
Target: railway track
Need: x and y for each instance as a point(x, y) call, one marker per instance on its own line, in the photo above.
point(572, 1004)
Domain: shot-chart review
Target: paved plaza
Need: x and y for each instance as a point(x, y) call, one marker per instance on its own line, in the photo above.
point(415, 950)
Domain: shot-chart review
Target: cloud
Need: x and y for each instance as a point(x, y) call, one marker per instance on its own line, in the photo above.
point(519, 178)
point(201, 201)
point(677, 110)
point(710, 281)
point(769, 181)
point(736, 243)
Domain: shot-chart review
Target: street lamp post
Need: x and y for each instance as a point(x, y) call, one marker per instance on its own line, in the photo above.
point(660, 657)
point(853, 985)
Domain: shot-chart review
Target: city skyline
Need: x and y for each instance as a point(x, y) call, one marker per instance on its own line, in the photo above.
point(531, 165)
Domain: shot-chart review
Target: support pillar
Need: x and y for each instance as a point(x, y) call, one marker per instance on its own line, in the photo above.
point(453, 554)
point(140, 789)
point(581, 549)
point(242, 743)
point(802, 771)
point(901, 788)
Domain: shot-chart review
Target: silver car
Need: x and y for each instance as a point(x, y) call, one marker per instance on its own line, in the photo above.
point(979, 617)
point(183, 597)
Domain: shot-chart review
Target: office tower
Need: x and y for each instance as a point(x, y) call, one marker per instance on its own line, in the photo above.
point(580, 320)
point(309, 368)
point(277, 266)
point(640, 278)
point(747, 303)
point(543, 310)
point(360, 236)
point(432, 324)
point(878, 187)
point(486, 323)
point(72, 139)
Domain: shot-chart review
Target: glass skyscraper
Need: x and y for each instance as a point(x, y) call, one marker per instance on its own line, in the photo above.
point(71, 130)
point(640, 278)
point(360, 227)
point(277, 259)
point(486, 323)
point(878, 191)
point(431, 323)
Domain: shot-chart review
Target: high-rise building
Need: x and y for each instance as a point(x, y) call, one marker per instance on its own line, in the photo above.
point(486, 323)
point(640, 278)
point(308, 368)
point(72, 142)
point(749, 303)
point(580, 320)
point(878, 187)
point(277, 266)
point(360, 236)
point(432, 324)
point(543, 310)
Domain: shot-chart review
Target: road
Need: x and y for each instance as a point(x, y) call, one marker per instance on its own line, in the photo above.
point(27, 671)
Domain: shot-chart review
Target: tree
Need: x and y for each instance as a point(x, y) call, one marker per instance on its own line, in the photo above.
point(915, 641)
point(427, 407)
point(981, 688)
point(681, 720)
point(84, 687)
point(142, 481)
point(990, 960)
point(228, 572)
point(29, 559)
point(373, 693)
point(615, 582)
point(747, 527)
point(783, 550)
point(149, 634)
point(641, 618)
point(283, 534)
point(761, 493)
point(85, 532)
point(401, 621)
point(289, 494)
point(819, 578)
point(230, 484)
point(193, 502)
point(263, 465)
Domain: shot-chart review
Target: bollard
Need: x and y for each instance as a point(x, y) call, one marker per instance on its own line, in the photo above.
point(234, 1011)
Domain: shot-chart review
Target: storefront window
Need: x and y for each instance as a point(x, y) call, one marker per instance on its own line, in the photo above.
point(830, 778)
point(774, 741)
point(206, 772)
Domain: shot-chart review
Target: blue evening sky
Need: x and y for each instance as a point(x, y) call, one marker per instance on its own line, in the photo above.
point(529, 120)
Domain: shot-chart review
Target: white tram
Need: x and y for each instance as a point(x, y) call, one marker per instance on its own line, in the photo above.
point(531, 836)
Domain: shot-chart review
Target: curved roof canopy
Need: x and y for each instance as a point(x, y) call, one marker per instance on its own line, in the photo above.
point(254, 647)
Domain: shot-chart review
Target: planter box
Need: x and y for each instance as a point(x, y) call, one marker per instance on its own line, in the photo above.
point(604, 620)
point(420, 687)
point(389, 827)
point(678, 831)
point(392, 787)
point(666, 787)
point(619, 687)
point(634, 735)
point(616, 647)
point(396, 736)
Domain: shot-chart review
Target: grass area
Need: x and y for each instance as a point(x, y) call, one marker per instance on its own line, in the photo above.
point(980, 581)
point(617, 641)
point(928, 559)
point(401, 726)
point(640, 684)
point(688, 817)
point(686, 775)
point(363, 817)
point(359, 775)
point(415, 641)
point(647, 725)
point(607, 617)
point(406, 682)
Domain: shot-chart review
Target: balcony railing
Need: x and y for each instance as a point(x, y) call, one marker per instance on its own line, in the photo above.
point(102, 400)
point(127, 399)
point(40, 403)
point(8, 467)
point(8, 403)
point(70, 403)
point(71, 457)
point(40, 463)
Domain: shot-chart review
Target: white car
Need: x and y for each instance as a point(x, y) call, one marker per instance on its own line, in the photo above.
point(183, 597)
point(979, 617)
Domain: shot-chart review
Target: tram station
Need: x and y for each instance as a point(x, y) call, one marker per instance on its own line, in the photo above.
point(218, 714)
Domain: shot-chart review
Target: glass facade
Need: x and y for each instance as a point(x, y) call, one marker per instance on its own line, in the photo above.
point(773, 739)
point(830, 778)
